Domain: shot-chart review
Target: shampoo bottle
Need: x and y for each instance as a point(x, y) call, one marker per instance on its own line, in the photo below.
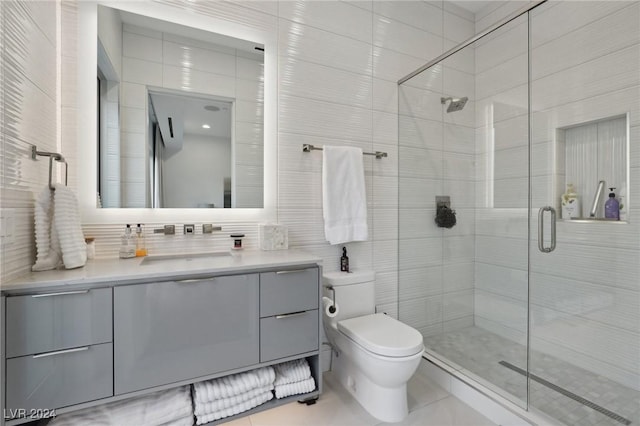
point(127, 246)
point(612, 207)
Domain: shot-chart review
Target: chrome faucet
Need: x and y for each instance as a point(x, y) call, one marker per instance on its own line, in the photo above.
point(597, 198)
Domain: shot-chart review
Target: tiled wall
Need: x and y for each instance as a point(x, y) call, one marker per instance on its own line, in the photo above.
point(30, 115)
point(338, 67)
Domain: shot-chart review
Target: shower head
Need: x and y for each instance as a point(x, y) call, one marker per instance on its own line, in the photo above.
point(456, 103)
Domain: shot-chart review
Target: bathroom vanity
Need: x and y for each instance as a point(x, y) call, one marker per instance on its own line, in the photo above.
point(118, 328)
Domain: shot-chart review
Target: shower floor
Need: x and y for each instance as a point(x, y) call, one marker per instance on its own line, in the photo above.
point(479, 352)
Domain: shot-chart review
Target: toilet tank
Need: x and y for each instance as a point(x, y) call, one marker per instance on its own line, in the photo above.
point(354, 292)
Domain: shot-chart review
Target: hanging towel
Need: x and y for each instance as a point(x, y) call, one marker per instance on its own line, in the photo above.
point(58, 230)
point(344, 197)
point(48, 251)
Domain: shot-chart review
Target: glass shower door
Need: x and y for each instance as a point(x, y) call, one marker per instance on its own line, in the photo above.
point(584, 327)
point(463, 134)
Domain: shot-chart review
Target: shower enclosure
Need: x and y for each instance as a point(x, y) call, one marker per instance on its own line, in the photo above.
point(527, 294)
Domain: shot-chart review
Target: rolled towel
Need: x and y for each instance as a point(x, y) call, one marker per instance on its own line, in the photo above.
point(296, 388)
point(292, 371)
point(155, 409)
point(236, 409)
point(235, 384)
point(204, 408)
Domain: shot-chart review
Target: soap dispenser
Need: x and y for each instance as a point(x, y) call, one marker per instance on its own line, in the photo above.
point(344, 261)
point(127, 246)
point(612, 206)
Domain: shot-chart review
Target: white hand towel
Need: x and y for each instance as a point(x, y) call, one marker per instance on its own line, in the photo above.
point(296, 388)
point(292, 371)
point(344, 197)
point(204, 408)
point(47, 243)
point(67, 225)
point(230, 411)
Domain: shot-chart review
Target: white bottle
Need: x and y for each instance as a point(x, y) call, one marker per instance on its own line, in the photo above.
point(127, 245)
point(570, 203)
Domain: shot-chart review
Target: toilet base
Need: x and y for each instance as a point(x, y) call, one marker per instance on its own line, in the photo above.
point(384, 403)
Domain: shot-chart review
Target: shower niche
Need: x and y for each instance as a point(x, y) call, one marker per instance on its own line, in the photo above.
point(586, 154)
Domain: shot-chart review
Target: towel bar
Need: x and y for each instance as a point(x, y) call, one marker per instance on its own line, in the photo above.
point(52, 156)
point(308, 148)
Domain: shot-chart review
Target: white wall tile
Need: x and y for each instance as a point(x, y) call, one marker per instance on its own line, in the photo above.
point(140, 47)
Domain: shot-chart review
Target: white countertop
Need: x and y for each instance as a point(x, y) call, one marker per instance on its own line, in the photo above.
point(111, 272)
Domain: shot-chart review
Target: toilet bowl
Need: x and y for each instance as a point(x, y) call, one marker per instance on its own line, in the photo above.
point(375, 355)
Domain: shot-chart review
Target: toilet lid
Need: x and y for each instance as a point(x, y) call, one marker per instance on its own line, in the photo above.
point(382, 335)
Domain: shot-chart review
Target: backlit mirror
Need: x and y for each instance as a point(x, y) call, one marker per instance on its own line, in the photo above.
point(180, 115)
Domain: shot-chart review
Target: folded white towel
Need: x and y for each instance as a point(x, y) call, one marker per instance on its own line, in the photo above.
point(292, 371)
point(204, 408)
point(59, 238)
point(344, 197)
point(187, 421)
point(232, 385)
point(230, 411)
point(296, 388)
point(170, 407)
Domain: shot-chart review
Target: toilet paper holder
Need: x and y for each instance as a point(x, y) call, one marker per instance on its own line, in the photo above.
point(332, 308)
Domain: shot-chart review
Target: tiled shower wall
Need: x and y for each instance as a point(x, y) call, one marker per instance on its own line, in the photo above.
point(338, 67)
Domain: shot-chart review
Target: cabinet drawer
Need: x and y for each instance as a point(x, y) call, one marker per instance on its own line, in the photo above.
point(177, 330)
point(288, 291)
point(54, 321)
point(58, 379)
point(286, 335)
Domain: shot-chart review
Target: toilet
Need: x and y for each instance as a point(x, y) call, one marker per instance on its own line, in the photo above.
point(374, 354)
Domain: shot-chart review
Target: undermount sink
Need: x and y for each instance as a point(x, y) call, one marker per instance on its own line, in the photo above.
point(183, 256)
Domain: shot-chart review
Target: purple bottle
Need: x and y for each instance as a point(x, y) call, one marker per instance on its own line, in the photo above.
point(612, 207)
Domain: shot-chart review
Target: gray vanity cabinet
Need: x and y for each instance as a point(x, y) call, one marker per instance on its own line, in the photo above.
point(172, 331)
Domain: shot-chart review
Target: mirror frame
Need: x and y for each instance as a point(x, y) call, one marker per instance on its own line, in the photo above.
point(87, 122)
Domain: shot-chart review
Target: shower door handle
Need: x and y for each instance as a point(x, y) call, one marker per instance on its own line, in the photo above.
point(541, 246)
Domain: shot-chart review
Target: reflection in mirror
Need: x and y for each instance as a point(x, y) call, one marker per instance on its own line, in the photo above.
point(180, 115)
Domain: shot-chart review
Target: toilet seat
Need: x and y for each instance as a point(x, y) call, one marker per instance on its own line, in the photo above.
point(382, 335)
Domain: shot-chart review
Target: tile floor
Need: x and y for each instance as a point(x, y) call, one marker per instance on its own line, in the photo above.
point(429, 405)
point(480, 351)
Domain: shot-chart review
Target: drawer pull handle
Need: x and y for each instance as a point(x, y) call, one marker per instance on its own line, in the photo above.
point(293, 271)
point(292, 314)
point(68, 351)
point(64, 293)
point(194, 280)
